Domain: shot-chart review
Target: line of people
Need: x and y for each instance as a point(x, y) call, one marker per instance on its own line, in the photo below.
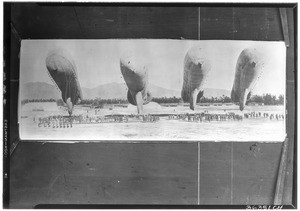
point(59, 121)
point(205, 116)
point(271, 116)
point(150, 118)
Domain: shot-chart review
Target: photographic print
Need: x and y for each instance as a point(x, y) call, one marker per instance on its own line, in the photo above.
point(152, 89)
point(149, 105)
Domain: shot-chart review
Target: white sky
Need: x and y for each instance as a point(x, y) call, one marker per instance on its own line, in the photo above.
point(98, 61)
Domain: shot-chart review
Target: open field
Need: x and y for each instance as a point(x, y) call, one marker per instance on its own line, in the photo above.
point(165, 129)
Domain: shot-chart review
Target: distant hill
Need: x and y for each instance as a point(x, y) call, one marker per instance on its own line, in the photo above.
point(118, 90)
point(38, 90)
point(162, 92)
point(106, 91)
point(208, 93)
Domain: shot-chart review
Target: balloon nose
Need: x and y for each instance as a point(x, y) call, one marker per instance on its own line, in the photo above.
point(242, 107)
point(192, 106)
point(243, 99)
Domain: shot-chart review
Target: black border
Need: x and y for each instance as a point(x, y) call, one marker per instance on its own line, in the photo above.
point(7, 110)
point(178, 4)
point(6, 105)
point(295, 170)
point(126, 206)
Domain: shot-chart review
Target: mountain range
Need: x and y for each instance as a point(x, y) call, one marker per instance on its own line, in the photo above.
point(42, 90)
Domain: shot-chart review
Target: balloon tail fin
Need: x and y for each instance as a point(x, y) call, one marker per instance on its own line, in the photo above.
point(199, 96)
point(130, 98)
point(249, 95)
point(233, 96)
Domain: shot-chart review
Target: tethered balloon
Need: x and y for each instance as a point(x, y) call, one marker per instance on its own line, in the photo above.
point(135, 74)
point(63, 72)
point(248, 70)
point(196, 69)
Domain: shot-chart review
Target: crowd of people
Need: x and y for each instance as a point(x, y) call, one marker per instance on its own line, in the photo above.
point(56, 121)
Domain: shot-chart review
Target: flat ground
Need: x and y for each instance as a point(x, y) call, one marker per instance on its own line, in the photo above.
point(252, 129)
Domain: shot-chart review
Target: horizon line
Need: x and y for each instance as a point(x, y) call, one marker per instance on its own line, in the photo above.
point(265, 93)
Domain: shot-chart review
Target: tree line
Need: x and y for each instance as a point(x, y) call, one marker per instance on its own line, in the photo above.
point(266, 99)
point(23, 102)
point(98, 102)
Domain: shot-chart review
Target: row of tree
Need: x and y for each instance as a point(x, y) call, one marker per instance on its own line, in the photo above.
point(98, 102)
point(23, 102)
point(266, 99)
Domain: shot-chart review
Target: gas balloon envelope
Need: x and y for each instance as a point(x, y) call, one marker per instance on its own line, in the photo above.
point(248, 70)
point(196, 69)
point(135, 74)
point(62, 70)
